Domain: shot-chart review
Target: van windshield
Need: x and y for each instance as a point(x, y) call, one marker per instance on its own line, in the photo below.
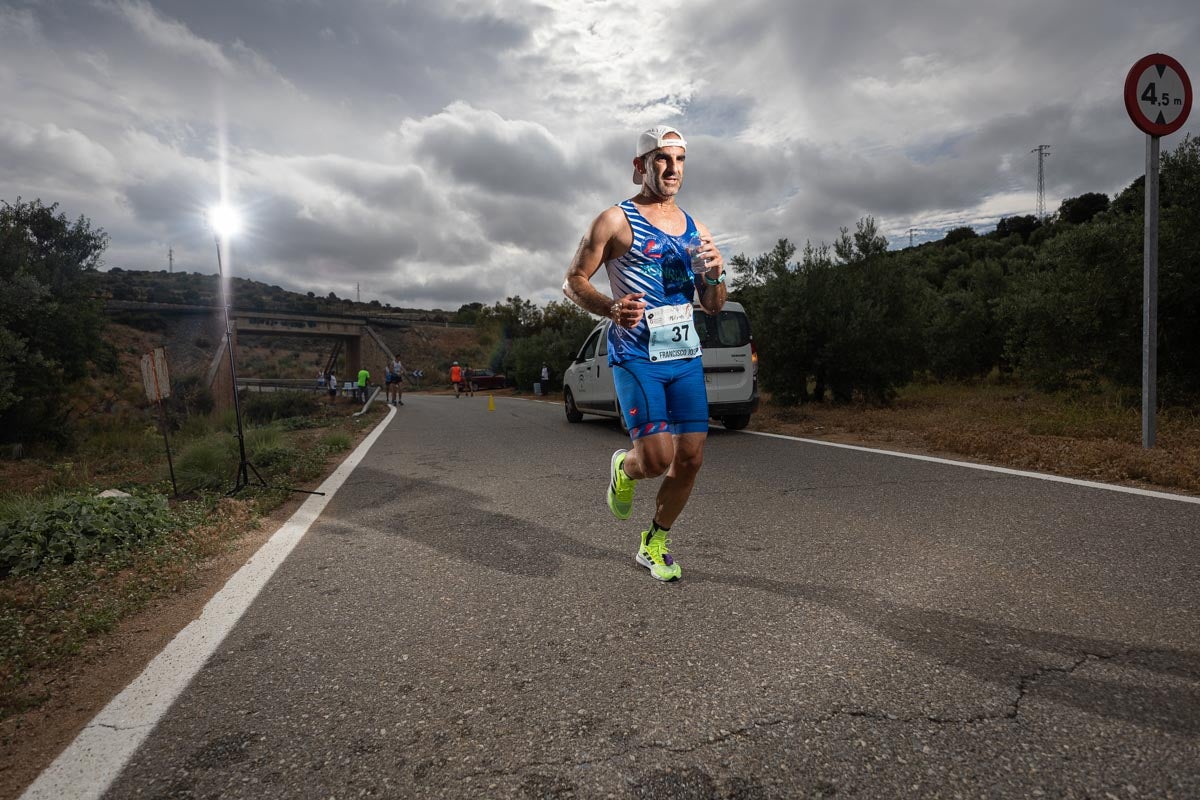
point(726, 329)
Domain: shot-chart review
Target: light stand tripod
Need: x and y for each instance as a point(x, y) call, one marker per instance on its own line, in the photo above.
point(244, 466)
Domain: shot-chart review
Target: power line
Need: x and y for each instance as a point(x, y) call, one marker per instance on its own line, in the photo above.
point(1043, 150)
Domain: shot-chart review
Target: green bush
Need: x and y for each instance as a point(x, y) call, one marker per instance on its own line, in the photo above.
point(266, 447)
point(207, 463)
point(297, 423)
point(196, 427)
point(264, 407)
point(77, 527)
point(336, 441)
point(225, 421)
point(189, 398)
point(123, 436)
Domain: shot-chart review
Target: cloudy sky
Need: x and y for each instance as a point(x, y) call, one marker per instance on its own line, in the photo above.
point(439, 152)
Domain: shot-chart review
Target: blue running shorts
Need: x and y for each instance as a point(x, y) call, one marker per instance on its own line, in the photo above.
point(662, 397)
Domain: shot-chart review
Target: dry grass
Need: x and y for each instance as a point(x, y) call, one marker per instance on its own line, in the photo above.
point(1091, 438)
point(58, 611)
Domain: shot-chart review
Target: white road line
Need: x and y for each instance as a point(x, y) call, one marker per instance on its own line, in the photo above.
point(1004, 470)
point(93, 761)
point(1112, 487)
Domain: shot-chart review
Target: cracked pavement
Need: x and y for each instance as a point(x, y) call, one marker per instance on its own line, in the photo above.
point(466, 620)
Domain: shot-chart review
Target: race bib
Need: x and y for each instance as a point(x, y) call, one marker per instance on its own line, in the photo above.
point(672, 333)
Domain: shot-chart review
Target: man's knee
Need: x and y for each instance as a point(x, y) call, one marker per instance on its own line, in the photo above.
point(655, 454)
point(655, 464)
point(687, 462)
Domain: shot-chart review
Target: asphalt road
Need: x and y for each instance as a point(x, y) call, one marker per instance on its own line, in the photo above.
point(466, 619)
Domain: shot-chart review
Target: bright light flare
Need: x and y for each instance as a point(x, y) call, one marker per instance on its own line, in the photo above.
point(224, 220)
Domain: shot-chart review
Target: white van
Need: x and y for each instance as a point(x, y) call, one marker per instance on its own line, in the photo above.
point(730, 370)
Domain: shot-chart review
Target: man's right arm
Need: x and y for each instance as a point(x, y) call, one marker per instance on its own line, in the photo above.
point(588, 257)
point(593, 250)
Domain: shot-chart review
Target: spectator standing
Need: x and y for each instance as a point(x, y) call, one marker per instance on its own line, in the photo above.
point(545, 378)
point(395, 382)
point(364, 377)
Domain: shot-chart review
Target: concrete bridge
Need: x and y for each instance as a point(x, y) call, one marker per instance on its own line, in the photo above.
point(352, 336)
point(361, 345)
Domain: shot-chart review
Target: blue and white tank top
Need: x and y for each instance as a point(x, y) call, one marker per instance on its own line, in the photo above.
point(656, 264)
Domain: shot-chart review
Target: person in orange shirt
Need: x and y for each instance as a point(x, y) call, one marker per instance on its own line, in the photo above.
point(456, 377)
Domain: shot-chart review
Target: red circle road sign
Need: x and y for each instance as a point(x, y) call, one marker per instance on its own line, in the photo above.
point(1158, 94)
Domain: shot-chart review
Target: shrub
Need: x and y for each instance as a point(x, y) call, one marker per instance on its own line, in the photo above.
point(189, 398)
point(266, 447)
point(336, 441)
point(76, 527)
point(263, 407)
point(136, 438)
point(297, 423)
point(196, 427)
point(207, 463)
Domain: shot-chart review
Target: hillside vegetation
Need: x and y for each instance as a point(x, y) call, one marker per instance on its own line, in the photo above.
point(1054, 303)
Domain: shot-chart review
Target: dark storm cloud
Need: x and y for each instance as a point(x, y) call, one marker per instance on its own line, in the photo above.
point(538, 227)
point(410, 55)
point(455, 152)
point(484, 151)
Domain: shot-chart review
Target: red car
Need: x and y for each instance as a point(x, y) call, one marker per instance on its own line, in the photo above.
point(484, 379)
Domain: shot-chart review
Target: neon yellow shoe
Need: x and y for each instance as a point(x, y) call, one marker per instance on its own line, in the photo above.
point(654, 556)
point(620, 487)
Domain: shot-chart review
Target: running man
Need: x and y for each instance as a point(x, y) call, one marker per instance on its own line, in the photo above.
point(653, 346)
point(456, 377)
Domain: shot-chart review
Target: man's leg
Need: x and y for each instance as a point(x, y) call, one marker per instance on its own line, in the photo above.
point(680, 457)
point(676, 487)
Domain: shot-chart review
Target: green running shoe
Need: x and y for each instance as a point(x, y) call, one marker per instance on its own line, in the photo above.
point(620, 487)
point(654, 556)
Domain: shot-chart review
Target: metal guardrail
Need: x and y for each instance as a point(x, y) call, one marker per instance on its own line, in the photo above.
point(272, 384)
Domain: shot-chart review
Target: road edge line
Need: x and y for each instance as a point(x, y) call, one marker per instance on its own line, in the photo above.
point(1112, 487)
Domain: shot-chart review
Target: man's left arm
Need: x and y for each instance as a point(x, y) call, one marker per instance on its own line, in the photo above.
point(712, 296)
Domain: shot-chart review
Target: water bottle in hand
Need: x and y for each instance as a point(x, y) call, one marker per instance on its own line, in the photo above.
point(693, 245)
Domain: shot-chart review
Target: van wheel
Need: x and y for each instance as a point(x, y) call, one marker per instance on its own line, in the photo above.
point(735, 422)
point(573, 412)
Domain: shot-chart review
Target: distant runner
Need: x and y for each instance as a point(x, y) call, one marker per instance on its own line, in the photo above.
point(395, 382)
point(653, 345)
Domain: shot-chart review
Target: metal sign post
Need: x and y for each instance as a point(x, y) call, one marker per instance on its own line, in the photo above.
point(157, 383)
point(1158, 97)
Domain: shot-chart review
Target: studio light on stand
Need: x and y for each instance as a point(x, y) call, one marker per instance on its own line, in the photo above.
point(225, 223)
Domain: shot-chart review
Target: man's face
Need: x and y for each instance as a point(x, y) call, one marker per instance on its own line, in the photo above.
point(664, 171)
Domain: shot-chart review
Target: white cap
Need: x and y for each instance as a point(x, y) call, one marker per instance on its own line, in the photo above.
point(654, 138)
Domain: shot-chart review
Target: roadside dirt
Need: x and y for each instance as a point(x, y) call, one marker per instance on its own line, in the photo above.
point(77, 691)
